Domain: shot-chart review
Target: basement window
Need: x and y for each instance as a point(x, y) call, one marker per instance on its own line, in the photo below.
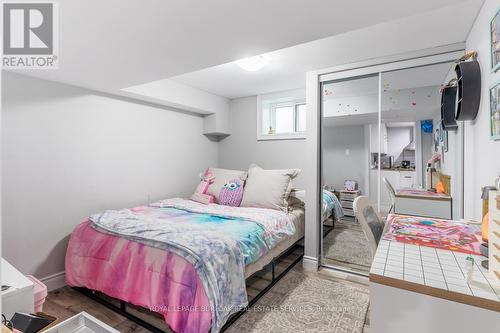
point(281, 118)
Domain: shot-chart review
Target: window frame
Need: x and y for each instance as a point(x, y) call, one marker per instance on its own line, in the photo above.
point(274, 101)
point(296, 116)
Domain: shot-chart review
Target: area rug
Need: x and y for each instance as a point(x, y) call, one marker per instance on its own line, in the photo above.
point(309, 303)
point(347, 244)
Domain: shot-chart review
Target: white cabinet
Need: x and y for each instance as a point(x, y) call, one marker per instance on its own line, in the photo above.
point(407, 179)
point(374, 139)
point(19, 296)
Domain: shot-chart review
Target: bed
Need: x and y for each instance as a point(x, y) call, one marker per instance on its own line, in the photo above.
point(331, 205)
point(184, 260)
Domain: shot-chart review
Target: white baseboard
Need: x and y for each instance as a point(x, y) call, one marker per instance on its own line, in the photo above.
point(344, 275)
point(310, 264)
point(55, 281)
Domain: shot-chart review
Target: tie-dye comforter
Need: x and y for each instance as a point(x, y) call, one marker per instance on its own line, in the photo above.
point(331, 206)
point(217, 241)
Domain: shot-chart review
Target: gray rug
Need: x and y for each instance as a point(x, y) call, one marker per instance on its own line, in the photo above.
point(309, 303)
point(347, 244)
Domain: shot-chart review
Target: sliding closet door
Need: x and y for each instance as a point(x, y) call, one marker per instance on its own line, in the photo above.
point(412, 136)
point(350, 155)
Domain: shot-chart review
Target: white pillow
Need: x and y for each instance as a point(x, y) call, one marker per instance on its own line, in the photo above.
point(223, 176)
point(268, 188)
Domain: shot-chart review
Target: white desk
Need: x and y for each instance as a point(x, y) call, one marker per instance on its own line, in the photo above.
point(415, 289)
point(423, 203)
point(19, 297)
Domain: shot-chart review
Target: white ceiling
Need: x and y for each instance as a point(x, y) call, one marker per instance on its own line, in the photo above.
point(114, 44)
point(426, 78)
point(361, 86)
point(392, 116)
point(416, 77)
point(424, 29)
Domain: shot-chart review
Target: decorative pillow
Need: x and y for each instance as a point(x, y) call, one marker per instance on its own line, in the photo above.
point(202, 188)
point(231, 193)
point(221, 177)
point(268, 188)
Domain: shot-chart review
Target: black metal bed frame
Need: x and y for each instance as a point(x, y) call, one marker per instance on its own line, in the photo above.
point(122, 308)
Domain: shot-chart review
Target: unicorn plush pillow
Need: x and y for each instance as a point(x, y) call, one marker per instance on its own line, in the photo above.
point(231, 193)
point(200, 194)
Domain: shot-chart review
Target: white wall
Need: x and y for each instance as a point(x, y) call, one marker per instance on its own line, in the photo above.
point(451, 161)
point(182, 96)
point(482, 155)
point(68, 153)
point(241, 149)
point(337, 165)
point(397, 139)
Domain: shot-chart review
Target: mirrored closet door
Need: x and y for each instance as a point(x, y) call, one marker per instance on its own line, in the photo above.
point(383, 141)
point(349, 107)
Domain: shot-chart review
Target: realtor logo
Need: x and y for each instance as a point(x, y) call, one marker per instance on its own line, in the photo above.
point(30, 35)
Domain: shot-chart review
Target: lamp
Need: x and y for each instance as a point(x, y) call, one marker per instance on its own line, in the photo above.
point(485, 197)
point(254, 64)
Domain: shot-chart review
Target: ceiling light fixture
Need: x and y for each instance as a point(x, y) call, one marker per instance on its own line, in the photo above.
point(253, 64)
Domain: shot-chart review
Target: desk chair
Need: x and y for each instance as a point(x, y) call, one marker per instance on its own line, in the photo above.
point(370, 221)
point(392, 193)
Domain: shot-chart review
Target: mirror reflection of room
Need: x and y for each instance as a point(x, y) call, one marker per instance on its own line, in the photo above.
point(419, 159)
point(408, 164)
point(349, 107)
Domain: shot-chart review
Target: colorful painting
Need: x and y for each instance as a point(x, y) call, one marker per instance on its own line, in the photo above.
point(495, 41)
point(431, 232)
point(495, 111)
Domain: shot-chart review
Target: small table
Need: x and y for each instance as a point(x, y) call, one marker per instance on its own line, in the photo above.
point(423, 203)
point(416, 289)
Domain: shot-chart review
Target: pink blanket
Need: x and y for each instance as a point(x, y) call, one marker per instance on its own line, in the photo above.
point(163, 282)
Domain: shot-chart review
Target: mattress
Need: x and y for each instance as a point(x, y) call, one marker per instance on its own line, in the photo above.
point(331, 206)
point(298, 216)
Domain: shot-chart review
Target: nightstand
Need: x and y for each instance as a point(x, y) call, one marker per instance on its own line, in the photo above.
point(346, 201)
